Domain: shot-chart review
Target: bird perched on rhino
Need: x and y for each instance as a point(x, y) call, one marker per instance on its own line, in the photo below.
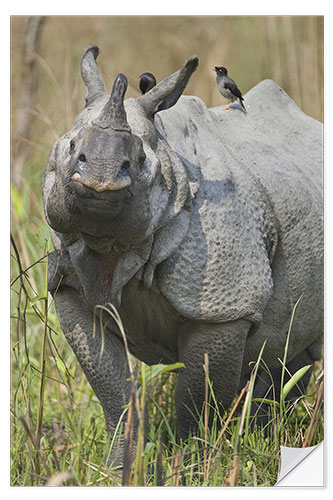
point(146, 82)
point(227, 87)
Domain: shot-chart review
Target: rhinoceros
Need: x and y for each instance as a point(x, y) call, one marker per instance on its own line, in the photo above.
point(203, 227)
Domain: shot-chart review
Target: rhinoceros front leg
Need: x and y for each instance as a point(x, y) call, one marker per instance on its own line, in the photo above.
point(224, 343)
point(107, 373)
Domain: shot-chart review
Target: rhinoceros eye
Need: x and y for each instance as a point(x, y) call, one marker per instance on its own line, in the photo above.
point(142, 157)
point(126, 165)
point(72, 146)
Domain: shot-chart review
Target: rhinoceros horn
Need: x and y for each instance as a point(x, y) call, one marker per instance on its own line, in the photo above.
point(113, 114)
point(90, 75)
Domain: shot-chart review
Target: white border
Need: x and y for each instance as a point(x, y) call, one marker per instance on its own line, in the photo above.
point(60, 7)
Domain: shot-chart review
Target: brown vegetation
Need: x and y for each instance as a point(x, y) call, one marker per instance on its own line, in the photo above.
point(287, 49)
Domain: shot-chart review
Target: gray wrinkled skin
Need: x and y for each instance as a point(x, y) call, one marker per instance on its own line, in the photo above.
point(202, 226)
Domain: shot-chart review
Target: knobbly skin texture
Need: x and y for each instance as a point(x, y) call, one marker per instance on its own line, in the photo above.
point(202, 227)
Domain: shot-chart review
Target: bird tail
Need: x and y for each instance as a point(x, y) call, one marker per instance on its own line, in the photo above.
point(241, 102)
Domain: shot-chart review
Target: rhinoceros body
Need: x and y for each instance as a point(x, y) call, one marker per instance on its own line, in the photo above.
point(202, 226)
point(255, 241)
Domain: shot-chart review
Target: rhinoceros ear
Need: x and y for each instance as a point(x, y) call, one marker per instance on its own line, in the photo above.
point(166, 93)
point(90, 75)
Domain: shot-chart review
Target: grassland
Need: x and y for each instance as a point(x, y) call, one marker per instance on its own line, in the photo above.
point(57, 422)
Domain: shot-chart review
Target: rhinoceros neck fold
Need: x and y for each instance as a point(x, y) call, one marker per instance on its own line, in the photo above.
point(170, 222)
point(173, 192)
point(104, 275)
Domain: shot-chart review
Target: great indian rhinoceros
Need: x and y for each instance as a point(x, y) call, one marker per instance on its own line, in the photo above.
point(203, 227)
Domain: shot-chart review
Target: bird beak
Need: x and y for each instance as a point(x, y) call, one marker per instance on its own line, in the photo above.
point(213, 69)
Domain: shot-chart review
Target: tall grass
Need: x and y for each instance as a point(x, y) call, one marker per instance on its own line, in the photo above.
point(58, 431)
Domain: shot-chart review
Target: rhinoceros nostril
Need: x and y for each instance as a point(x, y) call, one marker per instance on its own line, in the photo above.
point(82, 157)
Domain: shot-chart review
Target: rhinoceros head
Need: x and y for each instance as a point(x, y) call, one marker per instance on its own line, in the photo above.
point(104, 159)
point(100, 175)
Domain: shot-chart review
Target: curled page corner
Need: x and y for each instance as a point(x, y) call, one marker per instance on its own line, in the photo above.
point(302, 466)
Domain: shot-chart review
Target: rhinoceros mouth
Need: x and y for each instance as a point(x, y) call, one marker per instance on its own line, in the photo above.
point(103, 205)
point(99, 209)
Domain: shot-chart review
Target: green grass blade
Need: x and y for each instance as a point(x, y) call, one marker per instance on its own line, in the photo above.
point(153, 371)
point(285, 357)
point(294, 380)
point(266, 401)
point(253, 379)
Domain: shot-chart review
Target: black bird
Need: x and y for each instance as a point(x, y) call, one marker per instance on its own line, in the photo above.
point(227, 86)
point(147, 82)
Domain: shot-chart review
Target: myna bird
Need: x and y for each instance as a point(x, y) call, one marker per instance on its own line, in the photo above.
point(146, 82)
point(227, 87)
